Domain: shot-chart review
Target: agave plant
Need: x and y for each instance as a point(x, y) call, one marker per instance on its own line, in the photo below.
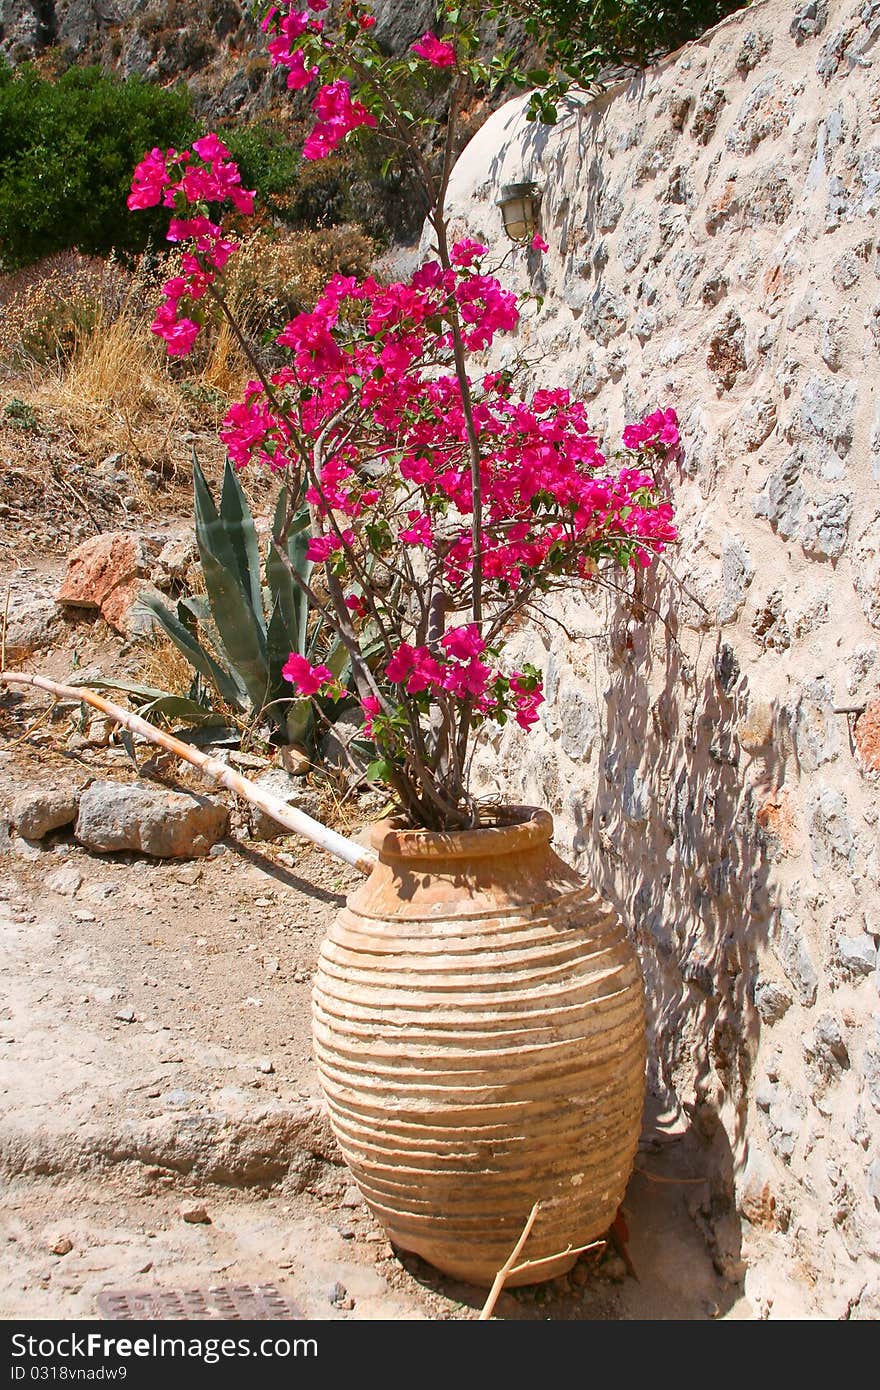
point(256, 610)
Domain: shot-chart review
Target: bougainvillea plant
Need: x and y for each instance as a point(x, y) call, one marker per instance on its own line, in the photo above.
point(443, 504)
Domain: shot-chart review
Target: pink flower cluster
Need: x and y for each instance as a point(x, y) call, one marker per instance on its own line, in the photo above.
point(305, 678)
point(295, 37)
point(337, 116)
point(291, 27)
point(186, 181)
point(528, 696)
point(458, 670)
point(657, 430)
point(437, 52)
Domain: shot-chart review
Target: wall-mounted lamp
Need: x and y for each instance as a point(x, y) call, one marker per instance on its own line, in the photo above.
point(519, 204)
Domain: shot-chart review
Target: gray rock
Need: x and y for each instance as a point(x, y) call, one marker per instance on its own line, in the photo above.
point(754, 46)
point(866, 570)
point(771, 1001)
point(764, 113)
point(857, 955)
point(67, 880)
point(816, 727)
point(37, 812)
point(858, 1129)
point(609, 213)
point(706, 113)
point(576, 716)
point(636, 799)
point(608, 314)
point(163, 824)
point(828, 409)
point(33, 623)
point(825, 1049)
point(737, 573)
point(397, 26)
point(794, 957)
point(870, 1068)
point(757, 418)
point(837, 207)
point(280, 783)
point(831, 834)
point(336, 749)
point(783, 1116)
point(809, 20)
point(635, 237)
point(825, 527)
point(173, 561)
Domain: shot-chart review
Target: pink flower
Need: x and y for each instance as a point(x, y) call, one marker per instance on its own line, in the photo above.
point(426, 672)
point(465, 252)
point(401, 663)
point(210, 147)
point(660, 428)
point(149, 182)
point(435, 51)
point(538, 243)
point(303, 676)
point(419, 531)
point(320, 548)
point(463, 642)
point(337, 115)
point(371, 706)
point(528, 694)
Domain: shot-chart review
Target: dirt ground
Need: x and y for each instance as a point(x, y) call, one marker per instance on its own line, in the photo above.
point(155, 1064)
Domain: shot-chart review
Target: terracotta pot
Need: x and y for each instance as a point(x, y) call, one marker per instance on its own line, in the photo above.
point(479, 1033)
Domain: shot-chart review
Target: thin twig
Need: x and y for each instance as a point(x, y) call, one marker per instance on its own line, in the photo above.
point(507, 1268)
point(3, 634)
point(212, 768)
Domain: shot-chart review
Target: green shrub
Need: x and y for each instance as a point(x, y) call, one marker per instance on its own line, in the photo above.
point(583, 37)
point(67, 152)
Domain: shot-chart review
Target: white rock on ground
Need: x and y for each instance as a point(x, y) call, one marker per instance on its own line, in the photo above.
point(37, 811)
point(165, 824)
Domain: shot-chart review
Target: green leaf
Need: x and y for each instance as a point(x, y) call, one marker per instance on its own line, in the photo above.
point(241, 631)
point(238, 523)
point(380, 770)
point(228, 537)
point(179, 707)
point(225, 682)
point(127, 742)
point(143, 692)
point(285, 593)
point(298, 722)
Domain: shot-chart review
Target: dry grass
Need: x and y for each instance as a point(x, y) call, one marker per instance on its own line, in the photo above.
point(164, 666)
point(76, 346)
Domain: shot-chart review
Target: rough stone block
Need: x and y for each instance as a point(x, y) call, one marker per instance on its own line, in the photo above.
point(794, 957)
point(38, 811)
point(164, 824)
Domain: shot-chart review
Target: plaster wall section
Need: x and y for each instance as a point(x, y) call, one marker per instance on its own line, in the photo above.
point(713, 229)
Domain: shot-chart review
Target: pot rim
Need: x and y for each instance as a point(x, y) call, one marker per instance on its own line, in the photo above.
point(522, 828)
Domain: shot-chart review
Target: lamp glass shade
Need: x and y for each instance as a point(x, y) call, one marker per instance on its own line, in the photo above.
point(519, 209)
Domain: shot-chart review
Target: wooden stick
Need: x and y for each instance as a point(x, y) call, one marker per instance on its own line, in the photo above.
point(213, 768)
point(547, 1259)
point(507, 1268)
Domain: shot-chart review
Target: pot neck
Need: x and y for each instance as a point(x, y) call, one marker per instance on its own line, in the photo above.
point(510, 830)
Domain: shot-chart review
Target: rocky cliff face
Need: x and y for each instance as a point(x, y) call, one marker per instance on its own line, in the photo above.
point(714, 246)
point(216, 47)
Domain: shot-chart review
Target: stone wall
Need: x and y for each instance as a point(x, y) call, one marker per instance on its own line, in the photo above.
point(714, 246)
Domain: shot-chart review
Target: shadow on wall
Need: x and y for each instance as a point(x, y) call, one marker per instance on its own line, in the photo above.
point(675, 839)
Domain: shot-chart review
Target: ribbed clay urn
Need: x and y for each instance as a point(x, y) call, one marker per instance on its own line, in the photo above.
point(479, 1033)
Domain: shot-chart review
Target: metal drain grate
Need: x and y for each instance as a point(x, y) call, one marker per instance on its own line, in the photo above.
point(248, 1302)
